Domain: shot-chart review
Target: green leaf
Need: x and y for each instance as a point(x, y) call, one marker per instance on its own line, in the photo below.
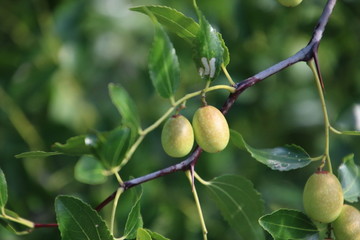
point(142, 234)
point(125, 105)
point(77, 220)
point(349, 174)
point(112, 146)
point(134, 220)
point(89, 170)
point(3, 191)
point(37, 154)
point(156, 236)
point(240, 204)
point(288, 224)
point(280, 158)
point(163, 64)
point(208, 50)
point(178, 23)
point(173, 20)
point(76, 146)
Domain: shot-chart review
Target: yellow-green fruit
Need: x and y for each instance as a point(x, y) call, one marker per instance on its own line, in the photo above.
point(347, 225)
point(211, 129)
point(289, 3)
point(177, 136)
point(323, 197)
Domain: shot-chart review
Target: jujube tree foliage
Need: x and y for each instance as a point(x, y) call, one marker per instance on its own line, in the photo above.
point(104, 154)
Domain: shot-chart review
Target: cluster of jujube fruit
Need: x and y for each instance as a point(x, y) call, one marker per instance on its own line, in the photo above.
point(209, 128)
point(324, 202)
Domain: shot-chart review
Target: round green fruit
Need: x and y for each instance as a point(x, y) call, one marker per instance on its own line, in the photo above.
point(323, 197)
point(289, 3)
point(177, 136)
point(347, 225)
point(211, 129)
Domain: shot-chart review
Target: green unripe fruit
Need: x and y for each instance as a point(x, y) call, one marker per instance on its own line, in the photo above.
point(289, 3)
point(323, 197)
point(347, 225)
point(177, 136)
point(211, 129)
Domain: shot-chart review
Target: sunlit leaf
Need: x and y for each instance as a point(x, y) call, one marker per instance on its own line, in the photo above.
point(125, 105)
point(240, 204)
point(74, 146)
point(288, 224)
point(174, 20)
point(37, 154)
point(89, 170)
point(280, 158)
point(134, 220)
point(142, 234)
point(349, 174)
point(77, 220)
point(179, 24)
point(3, 190)
point(163, 64)
point(208, 50)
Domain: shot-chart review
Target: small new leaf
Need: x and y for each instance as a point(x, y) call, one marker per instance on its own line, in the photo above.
point(240, 204)
point(3, 191)
point(163, 64)
point(288, 224)
point(77, 220)
point(284, 158)
point(349, 174)
point(89, 170)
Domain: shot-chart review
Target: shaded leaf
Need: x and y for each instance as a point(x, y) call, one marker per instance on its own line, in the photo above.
point(240, 204)
point(77, 220)
point(163, 64)
point(134, 220)
point(3, 190)
point(349, 174)
point(89, 170)
point(208, 50)
point(125, 105)
point(280, 158)
point(74, 146)
point(37, 154)
point(174, 20)
point(112, 146)
point(288, 224)
point(142, 234)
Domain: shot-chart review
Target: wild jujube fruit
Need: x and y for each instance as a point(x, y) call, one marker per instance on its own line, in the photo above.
point(347, 225)
point(177, 136)
point(211, 129)
point(323, 197)
point(290, 3)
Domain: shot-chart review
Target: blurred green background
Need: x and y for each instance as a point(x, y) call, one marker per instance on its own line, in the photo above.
point(57, 58)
